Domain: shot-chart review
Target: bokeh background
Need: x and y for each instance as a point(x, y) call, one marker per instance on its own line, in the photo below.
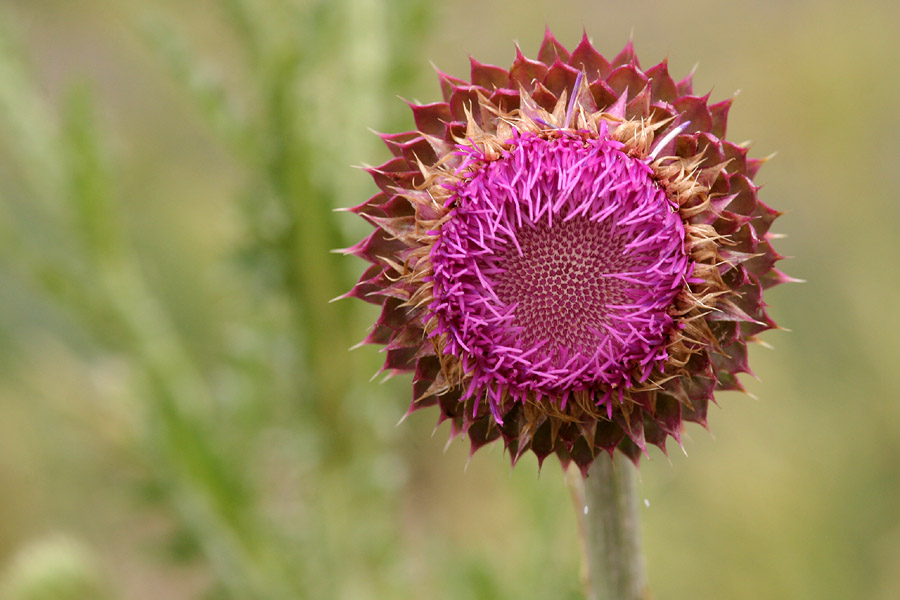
point(180, 417)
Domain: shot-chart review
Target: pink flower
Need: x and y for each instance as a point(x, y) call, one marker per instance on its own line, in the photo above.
point(568, 254)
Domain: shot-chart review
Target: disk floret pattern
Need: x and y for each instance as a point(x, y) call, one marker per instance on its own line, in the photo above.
point(557, 269)
point(568, 255)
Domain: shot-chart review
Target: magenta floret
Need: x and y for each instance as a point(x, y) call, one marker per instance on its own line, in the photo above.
point(558, 268)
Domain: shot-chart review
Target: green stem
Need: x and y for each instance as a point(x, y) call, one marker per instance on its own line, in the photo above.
point(612, 536)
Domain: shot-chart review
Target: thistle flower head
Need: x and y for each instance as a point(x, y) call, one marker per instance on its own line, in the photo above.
point(568, 254)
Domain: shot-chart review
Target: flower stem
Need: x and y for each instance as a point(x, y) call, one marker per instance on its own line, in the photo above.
point(612, 537)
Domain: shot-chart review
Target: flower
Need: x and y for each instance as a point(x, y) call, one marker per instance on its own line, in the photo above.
point(568, 254)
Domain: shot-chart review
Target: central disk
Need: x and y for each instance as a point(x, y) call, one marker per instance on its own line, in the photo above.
point(559, 281)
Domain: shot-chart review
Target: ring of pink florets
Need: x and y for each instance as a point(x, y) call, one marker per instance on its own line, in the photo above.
point(576, 211)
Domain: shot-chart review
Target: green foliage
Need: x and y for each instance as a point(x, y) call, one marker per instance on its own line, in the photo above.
point(214, 437)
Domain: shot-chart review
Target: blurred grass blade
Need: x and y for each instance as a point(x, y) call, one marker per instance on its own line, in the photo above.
point(88, 178)
point(22, 116)
point(205, 88)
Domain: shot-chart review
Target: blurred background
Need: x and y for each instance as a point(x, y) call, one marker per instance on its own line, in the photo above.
point(180, 417)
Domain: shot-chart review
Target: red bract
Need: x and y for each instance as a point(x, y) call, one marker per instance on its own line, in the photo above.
point(568, 254)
